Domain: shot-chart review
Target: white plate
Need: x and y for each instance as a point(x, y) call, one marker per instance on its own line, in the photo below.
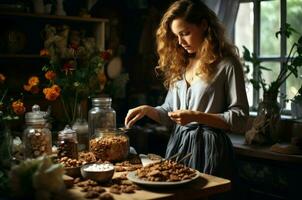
point(134, 178)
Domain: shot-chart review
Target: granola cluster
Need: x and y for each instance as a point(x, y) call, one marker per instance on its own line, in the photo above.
point(165, 171)
point(110, 148)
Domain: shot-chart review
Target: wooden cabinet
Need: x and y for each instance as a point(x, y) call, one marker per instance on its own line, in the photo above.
point(22, 33)
point(22, 38)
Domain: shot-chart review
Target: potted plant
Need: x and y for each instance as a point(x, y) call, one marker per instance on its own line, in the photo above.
point(264, 127)
point(296, 104)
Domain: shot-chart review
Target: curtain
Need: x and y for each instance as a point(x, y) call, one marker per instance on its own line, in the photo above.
point(226, 11)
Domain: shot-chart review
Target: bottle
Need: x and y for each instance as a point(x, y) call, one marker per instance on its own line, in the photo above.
point(67, 143)
point(81, 127)
point(37, 136)
point(101, 116)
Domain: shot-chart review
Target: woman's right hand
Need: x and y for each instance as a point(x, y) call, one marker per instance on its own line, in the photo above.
point(135, 114)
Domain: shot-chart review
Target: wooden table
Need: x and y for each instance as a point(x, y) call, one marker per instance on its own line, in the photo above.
point(202, 187)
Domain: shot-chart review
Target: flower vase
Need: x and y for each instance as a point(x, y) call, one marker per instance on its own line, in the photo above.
point(60, 8)
point(265, 125)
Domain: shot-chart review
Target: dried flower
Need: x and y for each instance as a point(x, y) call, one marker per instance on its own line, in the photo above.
point(10, 109)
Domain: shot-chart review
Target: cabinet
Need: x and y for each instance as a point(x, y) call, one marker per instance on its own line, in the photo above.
point(26, 30)
point(21, 39)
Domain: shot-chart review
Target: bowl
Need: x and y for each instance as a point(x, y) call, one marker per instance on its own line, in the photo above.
point(73, 171)
point(100, 172)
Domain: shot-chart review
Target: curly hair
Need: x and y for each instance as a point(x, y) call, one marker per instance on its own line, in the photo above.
point(173, 58)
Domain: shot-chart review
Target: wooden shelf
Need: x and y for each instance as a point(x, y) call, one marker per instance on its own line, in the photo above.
point(55, 17)
point(28, 56)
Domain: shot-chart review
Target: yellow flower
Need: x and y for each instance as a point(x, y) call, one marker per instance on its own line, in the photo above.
point(18, 107)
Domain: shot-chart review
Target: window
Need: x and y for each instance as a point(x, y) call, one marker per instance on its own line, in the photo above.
point(256, 24)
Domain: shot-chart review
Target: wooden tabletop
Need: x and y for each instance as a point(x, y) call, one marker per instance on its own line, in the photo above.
point(204, 186)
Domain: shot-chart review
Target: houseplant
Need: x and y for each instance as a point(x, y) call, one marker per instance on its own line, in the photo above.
point(265, 125)
point(296, 104)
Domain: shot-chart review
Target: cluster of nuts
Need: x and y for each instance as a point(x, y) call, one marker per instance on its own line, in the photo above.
point(117, 185)
point(111, 147)
point(121, 185)
point(37, 143)
point(89, 157)
point(126, 166)
point(93, 190)
point(69, 162)
point(166, 171)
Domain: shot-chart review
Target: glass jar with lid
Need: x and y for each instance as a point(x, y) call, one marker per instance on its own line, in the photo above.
point(67, 143)
point(37, 136)
point(101, 116)
point(110, 145)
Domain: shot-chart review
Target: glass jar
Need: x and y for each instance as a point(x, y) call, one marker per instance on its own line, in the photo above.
point(111, 145)
point(67, 143)
point(81, 127)
point(101, 116)
point(37, 137)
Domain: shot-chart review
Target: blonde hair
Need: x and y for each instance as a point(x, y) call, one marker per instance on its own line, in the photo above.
point(173, 59)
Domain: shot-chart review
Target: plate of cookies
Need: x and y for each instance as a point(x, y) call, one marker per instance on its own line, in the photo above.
point(163, 173)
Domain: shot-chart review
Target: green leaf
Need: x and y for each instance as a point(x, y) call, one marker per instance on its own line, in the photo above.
point(264, 68)
point(247, 54)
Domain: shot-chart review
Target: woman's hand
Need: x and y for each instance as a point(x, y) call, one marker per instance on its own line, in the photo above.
point(134, 115)
point(182, 117)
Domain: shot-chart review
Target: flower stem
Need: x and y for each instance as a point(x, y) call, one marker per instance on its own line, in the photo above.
point(64, 108)
point(75, 106)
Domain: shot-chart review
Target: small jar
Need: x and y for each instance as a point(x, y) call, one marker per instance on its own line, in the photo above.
point(36, 137)
point(101, 116)
point(110, 145)
point(67, 143)
point(81, 128)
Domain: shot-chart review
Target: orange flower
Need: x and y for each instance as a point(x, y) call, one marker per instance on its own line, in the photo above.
point(31, 88)
point(56, 88)
point(102, 78)
point(50, 75)
point(51, 94)
point(18, 107)
point(34, 80)
point(2, 78)
point(44, 52)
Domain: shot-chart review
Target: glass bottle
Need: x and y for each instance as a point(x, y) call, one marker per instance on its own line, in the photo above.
point(81, 128)
point(37, 137)
point(67, 143)
point(101, 116)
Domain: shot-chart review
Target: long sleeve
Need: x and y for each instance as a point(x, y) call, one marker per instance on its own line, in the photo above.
point(166, 107)
point(236, 100)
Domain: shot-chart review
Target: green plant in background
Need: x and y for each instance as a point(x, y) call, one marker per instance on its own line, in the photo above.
point(290, 65)
point(298, 97)
point(265, 128)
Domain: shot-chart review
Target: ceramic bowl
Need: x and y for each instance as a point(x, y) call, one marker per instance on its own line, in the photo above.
point(73, 171)
point(98, 172)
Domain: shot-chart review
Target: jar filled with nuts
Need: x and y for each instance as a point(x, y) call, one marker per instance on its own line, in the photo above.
point(111, 145)
point(67, 143)
point(37, 136)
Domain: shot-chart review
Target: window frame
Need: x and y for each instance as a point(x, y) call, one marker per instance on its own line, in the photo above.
point(256, 49)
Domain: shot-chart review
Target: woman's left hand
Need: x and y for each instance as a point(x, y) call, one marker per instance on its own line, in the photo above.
point(182, 117)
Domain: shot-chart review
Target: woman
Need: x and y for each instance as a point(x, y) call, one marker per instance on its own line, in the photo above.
point(206, 93)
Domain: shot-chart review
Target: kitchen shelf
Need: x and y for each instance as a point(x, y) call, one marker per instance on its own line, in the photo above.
point(56, 17)
point(26, 56)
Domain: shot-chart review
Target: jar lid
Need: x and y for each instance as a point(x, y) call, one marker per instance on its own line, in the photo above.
point(36, 116)
point(67, 130)
point(101, 100)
